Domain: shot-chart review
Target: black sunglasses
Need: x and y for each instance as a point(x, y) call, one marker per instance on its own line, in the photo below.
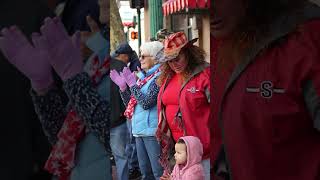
point(143, 56)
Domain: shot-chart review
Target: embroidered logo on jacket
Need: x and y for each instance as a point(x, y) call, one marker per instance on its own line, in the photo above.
point(266, 89)
point(193, 90)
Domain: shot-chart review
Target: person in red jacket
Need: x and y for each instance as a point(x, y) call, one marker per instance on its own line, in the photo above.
point(269, 107)
point(184, 97)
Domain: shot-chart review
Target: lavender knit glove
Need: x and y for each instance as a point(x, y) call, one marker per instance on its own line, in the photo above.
point(65, 51)
point(129, 76)
point(118, 80)
point(32, 61)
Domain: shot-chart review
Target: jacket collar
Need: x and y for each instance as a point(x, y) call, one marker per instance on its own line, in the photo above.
point(282, 27)
point(143, 74)
point(279, 29)
point(197, 70)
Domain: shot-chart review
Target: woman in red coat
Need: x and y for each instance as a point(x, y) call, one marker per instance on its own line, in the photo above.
point(184, 97)
point(269, 103)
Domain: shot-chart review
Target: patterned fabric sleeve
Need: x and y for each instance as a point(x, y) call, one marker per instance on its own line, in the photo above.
point(125, 96)
point(90, 106)
point(149, 99)
point(51, 110)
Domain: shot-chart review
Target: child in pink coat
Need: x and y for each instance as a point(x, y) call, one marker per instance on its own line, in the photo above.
point(188, 158)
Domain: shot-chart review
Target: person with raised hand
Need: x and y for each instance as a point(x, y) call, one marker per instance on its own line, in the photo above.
point(98, 67)
point(97, 40)
point(77, 125)
point(139, 93)
point(88, 106)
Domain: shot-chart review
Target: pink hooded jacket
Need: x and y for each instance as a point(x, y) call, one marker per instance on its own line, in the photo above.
point(193, 170)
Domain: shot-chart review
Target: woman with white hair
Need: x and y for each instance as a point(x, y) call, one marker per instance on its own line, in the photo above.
point(139, 93)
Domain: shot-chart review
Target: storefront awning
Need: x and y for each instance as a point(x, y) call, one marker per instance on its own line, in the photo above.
point(173, 6)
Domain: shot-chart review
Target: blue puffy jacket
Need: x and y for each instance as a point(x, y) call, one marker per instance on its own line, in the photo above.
point(145, 121)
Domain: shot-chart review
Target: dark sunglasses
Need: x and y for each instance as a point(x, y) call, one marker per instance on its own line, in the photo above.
point(143, 56)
